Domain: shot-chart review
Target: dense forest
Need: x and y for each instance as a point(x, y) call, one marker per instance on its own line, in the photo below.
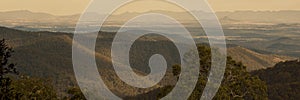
point(17, 86)
point(283, 80)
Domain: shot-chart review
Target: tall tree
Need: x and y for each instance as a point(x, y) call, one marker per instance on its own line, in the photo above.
point(6, 91)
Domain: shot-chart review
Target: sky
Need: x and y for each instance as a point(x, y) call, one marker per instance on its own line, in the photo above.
point(68, 7)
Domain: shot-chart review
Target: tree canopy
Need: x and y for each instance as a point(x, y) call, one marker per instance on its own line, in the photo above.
point(237, 84)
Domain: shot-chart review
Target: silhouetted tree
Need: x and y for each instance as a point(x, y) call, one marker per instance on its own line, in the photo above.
point(6, 91)
point(23, 88)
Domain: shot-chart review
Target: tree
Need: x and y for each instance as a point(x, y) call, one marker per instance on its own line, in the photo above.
point(283, 80)
point(6, 91)
point(20, 87)
point(237, 84)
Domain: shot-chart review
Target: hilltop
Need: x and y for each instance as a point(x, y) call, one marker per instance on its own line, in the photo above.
point(254, 60)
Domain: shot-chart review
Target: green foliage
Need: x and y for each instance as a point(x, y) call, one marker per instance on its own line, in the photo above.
point(6, 91)
point(5, 53)
point(14, 88)
point(283, 80)
point(75, 94)
point(176, 70)
point(34, 88)
point(237, 84)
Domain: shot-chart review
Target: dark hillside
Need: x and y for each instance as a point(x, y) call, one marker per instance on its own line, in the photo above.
point(283, 80)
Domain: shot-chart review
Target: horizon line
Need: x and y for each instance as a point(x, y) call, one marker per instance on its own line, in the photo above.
point(229, 11)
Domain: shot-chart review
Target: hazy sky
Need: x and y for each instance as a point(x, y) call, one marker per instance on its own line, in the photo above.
point(67, 7)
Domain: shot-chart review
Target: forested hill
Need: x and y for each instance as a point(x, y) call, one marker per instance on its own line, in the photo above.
point(49, 55)
point(283, 80)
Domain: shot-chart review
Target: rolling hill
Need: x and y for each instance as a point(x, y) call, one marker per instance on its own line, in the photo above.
point(49, 55)
point(254, 60)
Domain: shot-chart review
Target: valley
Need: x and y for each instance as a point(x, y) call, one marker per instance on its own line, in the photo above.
point(49, 55)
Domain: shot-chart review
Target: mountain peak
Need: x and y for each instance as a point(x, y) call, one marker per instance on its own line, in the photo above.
point(19, 12)
point(27, 12)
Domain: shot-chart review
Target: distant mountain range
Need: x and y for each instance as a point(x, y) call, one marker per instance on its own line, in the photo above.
point(284, 16)
point(24, 17)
